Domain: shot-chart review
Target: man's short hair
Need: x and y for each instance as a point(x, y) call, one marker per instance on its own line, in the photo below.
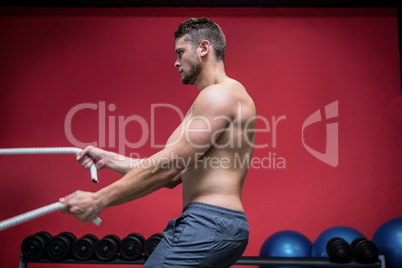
point(199, 29)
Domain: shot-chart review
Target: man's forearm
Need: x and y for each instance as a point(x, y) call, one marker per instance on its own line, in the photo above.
point(137, 183)
point(121, 163)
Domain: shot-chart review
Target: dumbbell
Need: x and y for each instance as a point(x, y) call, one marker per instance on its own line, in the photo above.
point(84, 248)
point(151, 243)
point(59, 247)
point(107, 248)
point(364, 250)
point(132, 246)
point(338, 250)
point(33, 247)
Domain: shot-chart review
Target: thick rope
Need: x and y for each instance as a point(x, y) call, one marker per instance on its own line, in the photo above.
point(35, 214)
point(50, 150)
point(52, 207)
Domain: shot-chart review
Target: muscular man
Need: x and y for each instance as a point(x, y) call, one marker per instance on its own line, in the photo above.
point(209, 153)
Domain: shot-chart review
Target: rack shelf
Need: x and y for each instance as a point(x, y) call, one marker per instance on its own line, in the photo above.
point(266, 261)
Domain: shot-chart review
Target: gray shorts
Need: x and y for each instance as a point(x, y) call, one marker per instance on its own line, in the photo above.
point(203, 236)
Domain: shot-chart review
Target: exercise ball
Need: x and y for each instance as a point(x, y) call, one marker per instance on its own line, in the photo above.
point(388, 239)
point(286, 244)
point(319, 248)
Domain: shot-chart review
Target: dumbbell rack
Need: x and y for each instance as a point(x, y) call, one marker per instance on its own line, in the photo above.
point(268, 261)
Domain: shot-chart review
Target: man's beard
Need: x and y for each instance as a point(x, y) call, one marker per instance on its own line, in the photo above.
point(194, 72)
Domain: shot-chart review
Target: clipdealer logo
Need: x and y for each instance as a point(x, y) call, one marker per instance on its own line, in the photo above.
point(115, 130)
point(331, 155)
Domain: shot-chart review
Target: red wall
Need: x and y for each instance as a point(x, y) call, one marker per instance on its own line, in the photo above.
point(292, 61)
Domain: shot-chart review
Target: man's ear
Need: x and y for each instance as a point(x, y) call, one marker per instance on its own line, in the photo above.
point(205, 47)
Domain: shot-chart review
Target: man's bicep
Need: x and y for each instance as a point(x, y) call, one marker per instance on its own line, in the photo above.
point(202, 131)
point(212, 112)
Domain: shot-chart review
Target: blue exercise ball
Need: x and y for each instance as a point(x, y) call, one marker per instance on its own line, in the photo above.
point(286, 244)
point(388, 239)
point(319, 248)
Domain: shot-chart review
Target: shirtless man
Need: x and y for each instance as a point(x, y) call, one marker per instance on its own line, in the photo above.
point(206, 153)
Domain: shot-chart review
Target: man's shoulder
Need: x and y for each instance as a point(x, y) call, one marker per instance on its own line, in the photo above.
point(216, 97)
point(228, 90)
point(228, 83)
point(223, 98)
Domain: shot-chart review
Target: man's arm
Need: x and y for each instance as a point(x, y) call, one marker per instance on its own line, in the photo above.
point(208, 117)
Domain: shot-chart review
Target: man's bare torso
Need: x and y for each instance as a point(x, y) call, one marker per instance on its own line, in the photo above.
point(216, 177)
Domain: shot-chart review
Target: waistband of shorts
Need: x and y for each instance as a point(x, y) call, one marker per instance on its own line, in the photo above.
point(221, 211)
